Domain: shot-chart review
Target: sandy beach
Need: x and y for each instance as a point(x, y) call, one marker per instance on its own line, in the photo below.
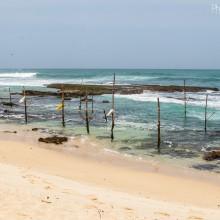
point(40, 181)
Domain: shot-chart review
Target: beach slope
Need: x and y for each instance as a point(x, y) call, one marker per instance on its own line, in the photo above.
point(38, 183)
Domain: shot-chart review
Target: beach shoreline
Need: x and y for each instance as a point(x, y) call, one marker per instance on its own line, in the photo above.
point(85, 162)
point(91, 148)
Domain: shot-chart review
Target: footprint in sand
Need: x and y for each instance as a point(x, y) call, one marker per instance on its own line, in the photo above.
point(47, 187)
point(35, 179)
point(91, 207)
point(23, 215)
point(31, 179)
point(129, 209)
point(162, 214)
point(69, 192)
point(46, 200)
point(195, 218)
point(47, 182)
point(92, 197)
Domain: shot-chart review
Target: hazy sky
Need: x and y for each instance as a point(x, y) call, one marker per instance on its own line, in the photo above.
point(113, 33)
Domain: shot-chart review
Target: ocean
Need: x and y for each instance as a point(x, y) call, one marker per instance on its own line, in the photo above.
point(183, 140)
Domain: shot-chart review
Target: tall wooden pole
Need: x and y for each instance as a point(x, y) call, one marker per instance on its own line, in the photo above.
point(184, 89)
point(63, 110)
point(206, 105)
point(81, 95)
point(92, 105)
point(10, 99)
point(87, 114)
point(25, 106)
point(113, 108)
point(105, 116)
point(158, 125)
point(80, 102)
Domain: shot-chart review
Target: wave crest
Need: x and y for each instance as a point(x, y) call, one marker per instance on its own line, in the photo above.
point(17, 75)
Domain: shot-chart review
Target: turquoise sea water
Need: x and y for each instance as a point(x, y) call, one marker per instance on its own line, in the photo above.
point(136, 117)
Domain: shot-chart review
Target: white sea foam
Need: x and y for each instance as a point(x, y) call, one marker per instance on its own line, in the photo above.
point(20, 79)
point(17, 75)
point(126, 123)
point(195, 99)
point(120, 79)
point(30, 79)
point(22, 82)
point(111, 151)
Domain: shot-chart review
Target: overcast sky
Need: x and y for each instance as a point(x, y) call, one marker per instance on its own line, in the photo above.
point(110, 34)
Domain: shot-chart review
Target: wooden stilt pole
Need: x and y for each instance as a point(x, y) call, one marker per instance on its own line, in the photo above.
point(25, 106)
point(81, 95)
point(87, 114)
point(10, 99)
point(105, 116)
point(80, 103)
point(92, 105)
point(185, 98)
point(158, 125)
point(113, 108)
point(206, 105)
point(63, 110)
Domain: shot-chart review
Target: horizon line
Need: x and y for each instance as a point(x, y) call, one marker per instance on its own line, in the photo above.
point(103, 68)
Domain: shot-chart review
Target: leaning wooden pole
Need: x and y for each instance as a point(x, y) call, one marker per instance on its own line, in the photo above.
point(184, 91)
point(158, 125)
point(206, 106)
point(87, 114)
point(25, 106)
point(63, 108)
point(113, 109)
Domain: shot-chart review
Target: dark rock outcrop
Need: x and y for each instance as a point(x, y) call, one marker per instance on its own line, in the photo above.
point(53, 140)
point(78, 90)
point(105, 101)
point(11, 132)
point(211, 155)
point(10, 104)
point(38, 93)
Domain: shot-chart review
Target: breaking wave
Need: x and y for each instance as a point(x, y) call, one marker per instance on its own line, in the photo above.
point(17, 75)
point(196, 99)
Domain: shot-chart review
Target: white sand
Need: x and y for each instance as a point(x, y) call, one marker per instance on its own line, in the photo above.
point(27, 194)
point(38, 183)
